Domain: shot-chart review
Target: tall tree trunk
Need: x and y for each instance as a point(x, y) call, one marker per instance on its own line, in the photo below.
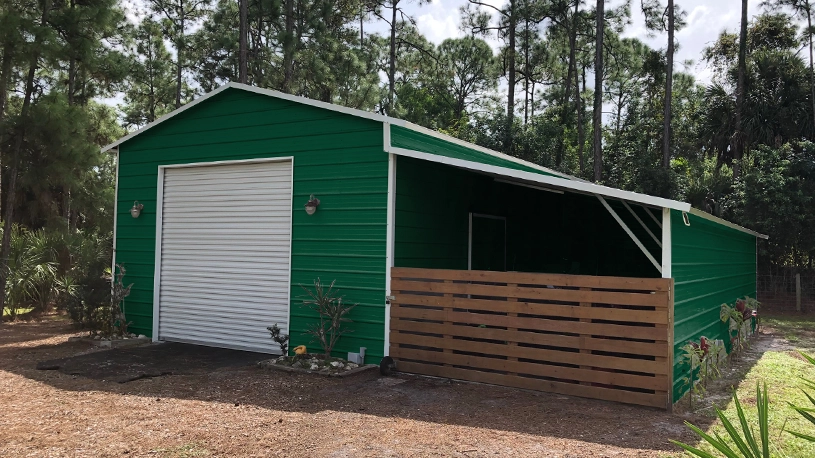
point(511, 78)
point(392, 56)
point(179, 45)
point(288, 48)
point(811, 72)
point(581, 134)
point(669, 72)
point(11, 194)
point(737, 140)
point(243, 51)
point(526, 71)
point(5, 75)
point(598, 93)
point(565, 106)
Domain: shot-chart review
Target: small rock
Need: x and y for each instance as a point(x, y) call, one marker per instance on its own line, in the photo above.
point(336, 364)
point(314, 367)
point(353, 365)
point(97, 337)
point(142, 336)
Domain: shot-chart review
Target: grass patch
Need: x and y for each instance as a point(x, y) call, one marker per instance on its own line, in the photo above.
point(798, 330)
point(782, 370)
point(183, 451)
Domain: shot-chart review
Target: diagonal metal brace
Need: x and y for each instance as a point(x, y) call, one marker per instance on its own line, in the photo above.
point(630, 234)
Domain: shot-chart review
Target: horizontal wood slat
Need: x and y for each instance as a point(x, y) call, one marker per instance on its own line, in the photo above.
point(542, 293)
point(599, 337)
point(629, 397)
point(524, 278)
point(533, 308)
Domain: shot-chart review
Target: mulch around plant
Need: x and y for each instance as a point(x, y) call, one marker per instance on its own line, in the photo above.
point(155, 360)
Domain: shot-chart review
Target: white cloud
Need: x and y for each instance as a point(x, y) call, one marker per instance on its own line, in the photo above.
point(441, 22)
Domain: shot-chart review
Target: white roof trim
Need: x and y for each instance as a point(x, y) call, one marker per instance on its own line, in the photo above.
point(563, 183)
point(723, 222)
point(267, 92)
point(473, 146)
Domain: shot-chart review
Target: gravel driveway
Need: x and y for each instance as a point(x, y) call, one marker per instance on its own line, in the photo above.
point(239, 410)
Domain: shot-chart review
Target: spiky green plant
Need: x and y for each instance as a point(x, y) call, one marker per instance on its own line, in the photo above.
point(747, 444)
point(332, 313)
point(806, 412)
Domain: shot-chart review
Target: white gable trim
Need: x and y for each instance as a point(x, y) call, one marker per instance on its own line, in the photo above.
point(472, 146)
point(723, 222)
point(267, 92)
point(562, 183)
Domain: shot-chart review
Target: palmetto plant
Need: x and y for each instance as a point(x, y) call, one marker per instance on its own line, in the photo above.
point(32, 271)
point(741, 444)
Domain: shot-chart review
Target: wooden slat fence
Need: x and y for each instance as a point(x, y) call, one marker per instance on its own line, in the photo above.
point(598, 337)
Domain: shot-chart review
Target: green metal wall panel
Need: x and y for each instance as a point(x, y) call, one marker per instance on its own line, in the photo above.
point(546, 232)
point(711, 264)
point(337, 157)
point(402, 137)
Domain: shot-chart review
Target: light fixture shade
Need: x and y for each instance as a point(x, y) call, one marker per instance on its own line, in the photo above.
point(312, 204)
point(135, 210)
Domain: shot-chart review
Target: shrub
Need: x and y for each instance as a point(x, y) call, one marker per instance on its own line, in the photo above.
point(280, 339)
point(332, 314)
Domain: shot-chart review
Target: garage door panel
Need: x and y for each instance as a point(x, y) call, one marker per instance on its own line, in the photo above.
point(225, 254)
point(213, 277)
point(215, 324)
point(259, 312)
point(232, 298)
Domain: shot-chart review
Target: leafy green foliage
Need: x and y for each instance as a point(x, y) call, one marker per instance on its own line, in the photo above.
point(743, 443)
point(332, 315)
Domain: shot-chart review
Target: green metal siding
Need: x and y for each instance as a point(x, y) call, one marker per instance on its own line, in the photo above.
point(402, 137)
point(711, 264)
point(337, 157)
point(546, 232)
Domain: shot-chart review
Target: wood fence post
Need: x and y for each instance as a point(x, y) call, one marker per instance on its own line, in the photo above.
point(798, 292)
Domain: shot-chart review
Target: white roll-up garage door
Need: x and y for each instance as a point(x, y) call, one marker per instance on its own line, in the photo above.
point(225, 254)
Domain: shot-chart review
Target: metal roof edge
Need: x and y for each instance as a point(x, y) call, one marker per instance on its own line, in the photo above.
point(473, 146)
point(724, 222)
point(564, 183)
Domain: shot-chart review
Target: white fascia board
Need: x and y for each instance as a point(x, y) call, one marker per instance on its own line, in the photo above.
point(472, 146)
point(723, 222)
point(267, 92)
point(563, 183)
point(666, 244)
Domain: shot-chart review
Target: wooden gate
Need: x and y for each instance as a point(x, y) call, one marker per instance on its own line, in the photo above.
point(607, 338)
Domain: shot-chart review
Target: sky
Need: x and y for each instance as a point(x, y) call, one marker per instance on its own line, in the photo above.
point(706, 19)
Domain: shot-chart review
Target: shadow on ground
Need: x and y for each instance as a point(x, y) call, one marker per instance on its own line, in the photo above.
point(155, 360)
point(227, 376)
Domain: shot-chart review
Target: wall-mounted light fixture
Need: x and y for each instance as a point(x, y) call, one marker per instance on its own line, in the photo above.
point(312, 204)
point(135, 210)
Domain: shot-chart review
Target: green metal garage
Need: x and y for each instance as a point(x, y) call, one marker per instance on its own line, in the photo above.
point(223, 243)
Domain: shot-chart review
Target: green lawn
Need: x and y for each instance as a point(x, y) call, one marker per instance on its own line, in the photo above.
point(782, 369)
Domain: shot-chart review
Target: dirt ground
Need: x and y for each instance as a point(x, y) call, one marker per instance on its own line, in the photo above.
point(240, 410)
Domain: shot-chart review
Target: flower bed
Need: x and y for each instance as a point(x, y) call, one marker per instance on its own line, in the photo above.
point(315, 364)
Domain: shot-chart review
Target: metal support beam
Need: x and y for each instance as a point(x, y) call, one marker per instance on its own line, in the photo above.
point(636, 217)
point(656, 220)
point(630, 234)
